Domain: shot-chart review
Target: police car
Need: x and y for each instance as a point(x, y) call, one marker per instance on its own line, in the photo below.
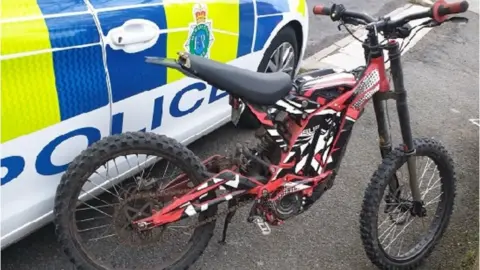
point(73, 71)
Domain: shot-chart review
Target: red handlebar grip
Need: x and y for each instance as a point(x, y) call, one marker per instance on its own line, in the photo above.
point(321, 10)
point(441, 9)
point(453, 8)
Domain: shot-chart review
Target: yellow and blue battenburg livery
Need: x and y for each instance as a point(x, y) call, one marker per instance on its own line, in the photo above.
point(67, 80)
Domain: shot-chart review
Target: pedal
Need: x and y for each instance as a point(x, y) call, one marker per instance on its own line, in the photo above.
point(262, 225)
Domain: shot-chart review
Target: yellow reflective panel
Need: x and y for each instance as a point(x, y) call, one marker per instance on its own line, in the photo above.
point(29, 97)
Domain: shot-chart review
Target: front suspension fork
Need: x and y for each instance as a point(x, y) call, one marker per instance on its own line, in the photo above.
point(385, 139)
point(400, 95)
point(404, 119)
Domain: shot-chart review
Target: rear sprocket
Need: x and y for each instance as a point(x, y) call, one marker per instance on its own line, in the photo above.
point(134, 206)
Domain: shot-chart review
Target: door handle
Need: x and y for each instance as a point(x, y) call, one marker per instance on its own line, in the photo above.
point(133, 36)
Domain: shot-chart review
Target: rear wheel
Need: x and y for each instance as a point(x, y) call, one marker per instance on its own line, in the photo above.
point(96, 232)
point(282, 55)
point(385, 240)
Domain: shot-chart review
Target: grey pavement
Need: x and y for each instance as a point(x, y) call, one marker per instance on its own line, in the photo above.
point(441, 74)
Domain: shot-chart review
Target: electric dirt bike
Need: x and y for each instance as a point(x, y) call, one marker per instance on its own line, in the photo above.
point(306, 126)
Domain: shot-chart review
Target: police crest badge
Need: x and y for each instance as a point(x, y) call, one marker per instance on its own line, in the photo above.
point(200, 34)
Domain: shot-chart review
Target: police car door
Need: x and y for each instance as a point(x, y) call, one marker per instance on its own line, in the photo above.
point(152, 98)
point(54, 102)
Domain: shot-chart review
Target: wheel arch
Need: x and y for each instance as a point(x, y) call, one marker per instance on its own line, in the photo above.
point(300, 27)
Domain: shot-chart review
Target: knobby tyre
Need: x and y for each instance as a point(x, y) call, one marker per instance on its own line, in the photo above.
point(375, 191)
point(101, 152)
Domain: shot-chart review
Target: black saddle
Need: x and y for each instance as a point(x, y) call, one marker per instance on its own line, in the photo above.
point(254, 87)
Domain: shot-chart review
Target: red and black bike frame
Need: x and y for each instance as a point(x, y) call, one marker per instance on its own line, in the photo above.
point(313, 137)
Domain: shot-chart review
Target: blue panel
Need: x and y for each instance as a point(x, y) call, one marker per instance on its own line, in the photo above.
point(118, 3)
point(266, 7)
point(80, 80)
point(265, 27)
point(129, 74)
point(72, 31)
point(246, 27)
point(61, 6)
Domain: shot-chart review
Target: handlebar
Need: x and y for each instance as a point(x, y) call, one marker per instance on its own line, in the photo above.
point(323, 10)
point(437, 12)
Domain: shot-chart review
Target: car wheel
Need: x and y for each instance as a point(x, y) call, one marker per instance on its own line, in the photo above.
point(282, 55)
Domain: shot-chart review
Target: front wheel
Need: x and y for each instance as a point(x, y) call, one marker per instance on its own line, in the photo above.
point(385, 241)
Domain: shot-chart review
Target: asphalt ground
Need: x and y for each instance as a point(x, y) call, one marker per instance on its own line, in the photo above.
point(441, 74)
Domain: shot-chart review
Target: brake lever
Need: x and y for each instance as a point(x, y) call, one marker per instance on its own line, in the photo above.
point(430, 23)
point(346, 21)
point(352, 21)
point(456, 19)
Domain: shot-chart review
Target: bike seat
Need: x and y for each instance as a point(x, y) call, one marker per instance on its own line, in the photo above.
point(255, 87)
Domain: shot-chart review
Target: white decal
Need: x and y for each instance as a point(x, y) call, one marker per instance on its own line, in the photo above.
point(288, 107)
point(190, 210)
point(309, 132)
point(204, 207)
point(475, 122)
point(234, 183)
point(202, 186)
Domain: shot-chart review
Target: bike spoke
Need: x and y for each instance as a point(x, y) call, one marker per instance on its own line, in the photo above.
point(98, 210)
point(391, 226)
point(94, 228)
point(400, 248)
point(151, 168)
point(401, 232)
point(104, 189)
point(166, 169)
point(90, 219)
point(392, 233)
point(434, 200)
point(113, 185)
point(427, 165)
point(98, 206)
point(430, 188)
point(103, 237)
point(106, 203)
point(128, 162)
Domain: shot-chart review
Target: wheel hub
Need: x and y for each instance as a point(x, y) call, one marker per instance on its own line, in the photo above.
point(136, 205)
point(282, 59)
